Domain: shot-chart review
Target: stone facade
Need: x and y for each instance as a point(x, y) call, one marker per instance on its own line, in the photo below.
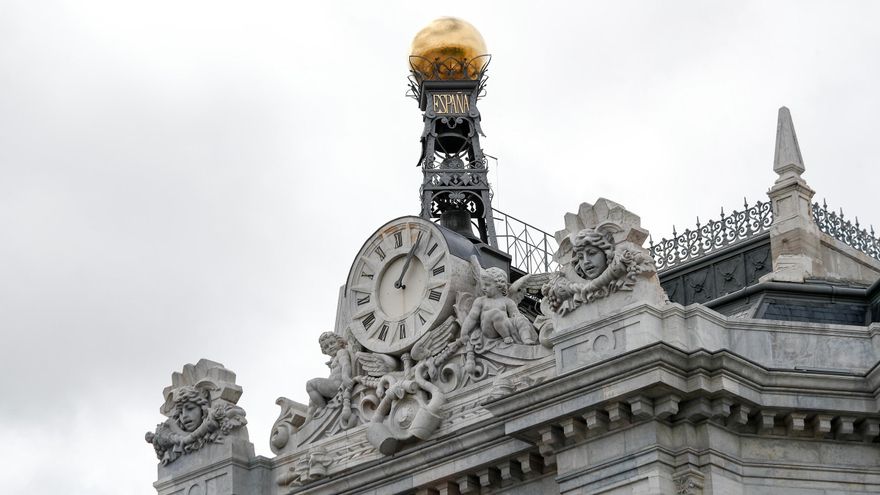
point(612, 389)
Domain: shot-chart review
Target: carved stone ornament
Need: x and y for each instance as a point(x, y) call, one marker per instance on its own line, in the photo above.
point(413, 332)
point(330, 399)
point(600, 254)
point(689, 482)
point(311, 467)
point(201, 408)
point(502, 386)
point(494, 313)
point(410, 403)
point(399, 399)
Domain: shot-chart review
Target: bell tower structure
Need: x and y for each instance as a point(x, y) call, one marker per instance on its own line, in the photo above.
point(448, 65)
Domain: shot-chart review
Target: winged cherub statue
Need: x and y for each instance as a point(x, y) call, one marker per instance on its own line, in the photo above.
point(495, 314)
point(322, 389)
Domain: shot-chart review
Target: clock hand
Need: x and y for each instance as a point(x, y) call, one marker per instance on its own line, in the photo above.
point(409, 257)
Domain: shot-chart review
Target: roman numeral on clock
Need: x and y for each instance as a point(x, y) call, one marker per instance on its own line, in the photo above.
point(434, 295)
point(438, 270)
point(383, 333)
point(398, 239)
point(367, 275)
point(401, 330)
point(431, 251)
point(369, 320)
point(363, 300)
point(380, 253)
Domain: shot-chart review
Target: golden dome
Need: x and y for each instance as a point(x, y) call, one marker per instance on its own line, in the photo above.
point(448, 37)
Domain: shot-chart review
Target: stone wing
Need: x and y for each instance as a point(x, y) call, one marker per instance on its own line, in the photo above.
point(376, 365)
point(434, 341)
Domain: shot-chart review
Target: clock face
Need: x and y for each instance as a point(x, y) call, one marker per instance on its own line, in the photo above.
point(398, 287)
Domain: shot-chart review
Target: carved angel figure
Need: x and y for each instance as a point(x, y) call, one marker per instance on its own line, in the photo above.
point(495, 313)
point(320, 390)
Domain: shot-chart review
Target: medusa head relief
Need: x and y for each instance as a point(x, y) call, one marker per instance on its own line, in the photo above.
point(600, 253)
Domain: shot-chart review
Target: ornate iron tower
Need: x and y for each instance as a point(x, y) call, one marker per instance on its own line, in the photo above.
point(455, 187)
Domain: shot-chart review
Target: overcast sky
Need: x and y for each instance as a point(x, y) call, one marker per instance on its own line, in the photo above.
point(192, 179)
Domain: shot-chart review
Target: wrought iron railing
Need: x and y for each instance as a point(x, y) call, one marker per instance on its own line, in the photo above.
point(704, 239)
point(851, 234)
point(530, 248)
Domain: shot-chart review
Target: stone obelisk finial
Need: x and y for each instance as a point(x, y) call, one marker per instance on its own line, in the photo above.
point(787, 160)
point(794, 237)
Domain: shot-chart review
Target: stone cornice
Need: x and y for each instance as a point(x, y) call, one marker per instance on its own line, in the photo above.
point(691, 375)
point(714, 317)
point(446, 456)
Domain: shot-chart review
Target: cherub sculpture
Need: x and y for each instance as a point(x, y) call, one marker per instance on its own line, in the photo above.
point(495, 314)
point(321, 390)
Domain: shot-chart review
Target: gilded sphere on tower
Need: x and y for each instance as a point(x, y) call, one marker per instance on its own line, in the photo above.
point(448, 38)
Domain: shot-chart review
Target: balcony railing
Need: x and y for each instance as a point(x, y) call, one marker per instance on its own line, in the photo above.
point(530, 248)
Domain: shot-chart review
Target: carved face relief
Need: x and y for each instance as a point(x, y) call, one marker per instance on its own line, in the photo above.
point(603, 255)
point(201, 409)
point(489, 286)
point(190, 416)
point(592, 262)
point(329, 347)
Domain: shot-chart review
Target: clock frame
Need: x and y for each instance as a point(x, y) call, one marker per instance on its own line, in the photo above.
point(389, 319)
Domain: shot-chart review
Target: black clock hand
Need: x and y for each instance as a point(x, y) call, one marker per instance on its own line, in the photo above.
point(409, 257)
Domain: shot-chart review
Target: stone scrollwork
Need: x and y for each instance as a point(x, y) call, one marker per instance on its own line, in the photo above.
point(501, 387)
point(293, 416)
point(600, 254)
point(395, 396)
point(410, 403)
point(311, 467)
point(401, 398)
point(201, 408)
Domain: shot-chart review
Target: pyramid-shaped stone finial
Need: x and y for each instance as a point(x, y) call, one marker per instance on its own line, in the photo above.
point(787, 160)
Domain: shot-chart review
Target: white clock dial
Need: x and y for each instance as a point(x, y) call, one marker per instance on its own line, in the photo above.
point(400, 285)
point(397, 301)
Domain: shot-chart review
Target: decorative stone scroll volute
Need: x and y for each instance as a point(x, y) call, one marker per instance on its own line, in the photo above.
point(603, 268)
point(201, 408)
